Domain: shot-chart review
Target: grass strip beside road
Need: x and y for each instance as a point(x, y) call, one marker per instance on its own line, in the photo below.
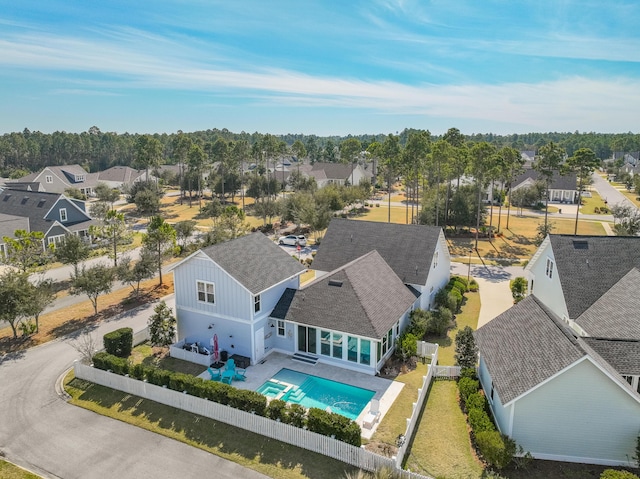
point(11, 471)
point(267, 456)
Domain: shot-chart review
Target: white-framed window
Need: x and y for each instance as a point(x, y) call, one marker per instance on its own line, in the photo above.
point(48, 179)
point(206, 292)
point(256, 303)
point(281, 329)
point(55, 239)
point(79, 178)
point(435, 260)
point(549, 269)
point(63, 214)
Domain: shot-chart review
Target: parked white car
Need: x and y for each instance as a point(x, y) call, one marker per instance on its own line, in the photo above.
point(293, 240)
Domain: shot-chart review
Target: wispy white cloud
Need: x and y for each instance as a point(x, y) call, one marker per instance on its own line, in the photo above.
point(584, 102)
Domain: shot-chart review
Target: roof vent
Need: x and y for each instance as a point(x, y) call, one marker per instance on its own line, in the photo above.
point(24, 200)
point(335, 282)
point(580, 244)
point(6, 198)
point(41, 203)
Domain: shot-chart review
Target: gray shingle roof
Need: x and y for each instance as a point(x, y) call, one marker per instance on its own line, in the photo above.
point(408, 249)
point(588, 266)
point(524, 346)
point(255, 261)
point(363, 297)
point(558, 182)
point(334, 171)
point(124, 174)
point(622, 355)
point(616, 313)
point(29, 204)
point(10, 223)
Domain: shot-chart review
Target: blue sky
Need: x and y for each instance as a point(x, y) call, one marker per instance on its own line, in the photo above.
point(323, 67)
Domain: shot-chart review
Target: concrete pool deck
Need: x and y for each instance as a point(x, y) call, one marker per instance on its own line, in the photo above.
point(385, 390)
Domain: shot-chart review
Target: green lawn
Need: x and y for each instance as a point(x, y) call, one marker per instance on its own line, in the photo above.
point(590, 204)
point(10, 471)
point(441, 446)
point(467, 317)
point(267, 456)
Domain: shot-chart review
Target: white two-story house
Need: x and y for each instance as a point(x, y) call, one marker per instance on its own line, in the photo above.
point(229, 289)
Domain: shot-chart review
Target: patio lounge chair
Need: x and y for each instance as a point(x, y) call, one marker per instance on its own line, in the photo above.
point(372, 415)
point(239, 374)
point(215, 374)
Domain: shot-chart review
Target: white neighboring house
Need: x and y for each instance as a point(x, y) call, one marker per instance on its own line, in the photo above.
point(418, 254)
point(561, 369)
point(335, 173)
point(562, 189)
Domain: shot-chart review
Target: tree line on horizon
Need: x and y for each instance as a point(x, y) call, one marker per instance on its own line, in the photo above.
point(27, 151)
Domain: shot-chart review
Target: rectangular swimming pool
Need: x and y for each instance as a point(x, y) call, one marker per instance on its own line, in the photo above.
point(313, 391)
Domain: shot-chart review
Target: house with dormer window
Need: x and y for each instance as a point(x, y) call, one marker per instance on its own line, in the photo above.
point(561, 369)
point(53, 214)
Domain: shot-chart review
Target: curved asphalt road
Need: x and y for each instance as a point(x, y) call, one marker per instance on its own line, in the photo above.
point(41, 432)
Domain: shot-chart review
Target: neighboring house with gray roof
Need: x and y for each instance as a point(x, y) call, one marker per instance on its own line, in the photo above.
point(561, 369)
point(418, 254)
point(558, 395)
point(56, 179)
point(52, 214)
point(349, 317)
point(570, 274)
point(233, 287)
point(8, 225)
point(562, 189)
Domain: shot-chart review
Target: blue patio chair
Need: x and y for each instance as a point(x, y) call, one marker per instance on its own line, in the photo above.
point(215, 374)
point(239, 374)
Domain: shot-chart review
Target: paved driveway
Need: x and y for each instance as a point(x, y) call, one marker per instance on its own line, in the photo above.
point(42, 432)
point(495, 295)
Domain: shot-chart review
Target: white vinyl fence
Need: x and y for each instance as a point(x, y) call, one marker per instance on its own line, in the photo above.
point(447, 372)
point(286, 433)
point(412, 422)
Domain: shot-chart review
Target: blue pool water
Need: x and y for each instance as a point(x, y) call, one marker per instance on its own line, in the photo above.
point(313, 391)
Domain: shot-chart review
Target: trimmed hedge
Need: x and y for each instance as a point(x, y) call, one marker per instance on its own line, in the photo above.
point(476, 401)
point(467, 387)
point(119, 342)
point(480, 421)
point(497, 449)
point(616, 474)
point(316, 420)
point(336, 425)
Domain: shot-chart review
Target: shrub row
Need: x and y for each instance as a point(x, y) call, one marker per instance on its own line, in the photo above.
point(496, 449)
point(316, 420)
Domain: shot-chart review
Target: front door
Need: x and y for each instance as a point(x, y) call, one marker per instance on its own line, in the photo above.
point(306, 339)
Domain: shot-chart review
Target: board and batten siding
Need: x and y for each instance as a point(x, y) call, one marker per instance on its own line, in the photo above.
point(231, 298)
point(581, 415)
point(548, 290)
point(270, 297)
point(501, 414)
point(439, 274)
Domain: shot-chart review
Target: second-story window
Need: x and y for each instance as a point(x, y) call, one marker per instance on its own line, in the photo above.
point(256, 303)
point(63, 214)
point(206, 292)
point(48, 179)
point(549, 269)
